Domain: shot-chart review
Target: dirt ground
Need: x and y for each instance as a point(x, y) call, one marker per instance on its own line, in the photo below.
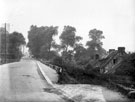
point(91, 93)
point(113, 96)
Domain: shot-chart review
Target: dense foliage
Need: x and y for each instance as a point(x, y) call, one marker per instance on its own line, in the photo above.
point(127, 67)
point(41, 40)
point(42, 44)
point(15, 41)
point(10, 46)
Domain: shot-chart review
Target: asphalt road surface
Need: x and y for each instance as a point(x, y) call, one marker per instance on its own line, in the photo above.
point(21, 82)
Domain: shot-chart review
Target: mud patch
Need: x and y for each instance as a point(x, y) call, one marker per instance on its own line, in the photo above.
point(52, 90)
point(29, 76)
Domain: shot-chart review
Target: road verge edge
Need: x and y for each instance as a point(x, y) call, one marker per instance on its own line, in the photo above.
point(65, 95)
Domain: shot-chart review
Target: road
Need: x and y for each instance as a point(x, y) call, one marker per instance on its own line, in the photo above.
point(22, 82)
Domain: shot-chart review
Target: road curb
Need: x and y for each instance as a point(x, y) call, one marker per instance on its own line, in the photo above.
point(65, 95)
point(44, 75)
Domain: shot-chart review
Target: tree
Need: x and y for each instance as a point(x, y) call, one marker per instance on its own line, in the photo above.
point(67, 37)
point(79, 52)
point(56, 46)
point(34, 43)
point(95, 44)
point(40, 40)
point(68, 40)
point(15, 41)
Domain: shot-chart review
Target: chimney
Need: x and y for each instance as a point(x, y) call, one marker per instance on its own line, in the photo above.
point(111, 50)
point(121, 49)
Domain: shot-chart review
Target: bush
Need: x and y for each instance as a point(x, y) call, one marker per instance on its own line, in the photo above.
point(127, 66)
point(58, 61)
point(83, 74)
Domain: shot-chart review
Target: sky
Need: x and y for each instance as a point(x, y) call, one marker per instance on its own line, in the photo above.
point(116, 18)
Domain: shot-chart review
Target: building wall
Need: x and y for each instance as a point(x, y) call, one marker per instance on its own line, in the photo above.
point(117, 59)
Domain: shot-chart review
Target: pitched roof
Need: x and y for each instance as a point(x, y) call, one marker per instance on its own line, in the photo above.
point(108, 59)
point(104, 61)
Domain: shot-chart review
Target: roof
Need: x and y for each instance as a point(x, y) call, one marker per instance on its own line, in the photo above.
point(102, 63)
point(108, 59)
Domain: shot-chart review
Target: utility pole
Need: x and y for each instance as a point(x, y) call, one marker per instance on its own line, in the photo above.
point(5, 44)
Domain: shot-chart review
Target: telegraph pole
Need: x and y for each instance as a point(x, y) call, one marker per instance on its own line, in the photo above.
point(5, 44)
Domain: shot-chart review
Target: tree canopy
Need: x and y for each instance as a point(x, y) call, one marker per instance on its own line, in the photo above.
point(40, 40)
point(69, 40)
point(42, 44)
point(16, 39)
point(95, 43)
point(10, 45)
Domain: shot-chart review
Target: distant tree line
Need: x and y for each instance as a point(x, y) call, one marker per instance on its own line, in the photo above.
point(10, 45)
point(42, 44)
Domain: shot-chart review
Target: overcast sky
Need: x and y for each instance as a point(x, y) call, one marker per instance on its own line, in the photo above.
point(116, 18)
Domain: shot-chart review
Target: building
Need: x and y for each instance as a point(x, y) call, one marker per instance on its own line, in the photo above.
point(112, 61)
